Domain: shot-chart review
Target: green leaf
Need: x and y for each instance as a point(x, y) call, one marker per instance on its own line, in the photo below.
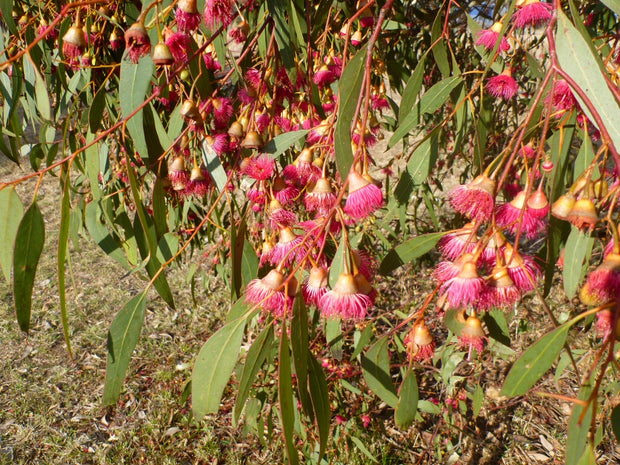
point(6, 7)
point(41, 96)
point(349, 88)
point(299, 348)
point(134, 84)
point(214, 166)
point(257, 354)
point(97, 107)
point(613, 5)
point(286, 47)
point(577, 59)
point(376, 370)
point(63, 242)
point(122, 339)
point(576, 258)
point(11, 212)
point(615, 422)
point(440, 50)
point(495, 320)
point(578, 432)
point(319, 395)
point(360, 445)
point(434, 98)
point(534, 362)
point(28, 247)
point(407, 407)
point(168, 247)
point(214, 365)
point(280, 144)
point(92, 164)
point(412, 89)
point(418, 168)
point(408, 251)
point(100, 234)
point(285, 393)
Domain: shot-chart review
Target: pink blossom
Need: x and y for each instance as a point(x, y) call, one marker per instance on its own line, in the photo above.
point(503, 85)
point(532, 13)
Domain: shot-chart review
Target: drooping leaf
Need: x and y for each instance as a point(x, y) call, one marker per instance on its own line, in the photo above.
point(408, 251)
point(319, 395)
point(134, 84)
point(418, 168)
point(97, 107)
point(585, 68)
point(214, 166)
point(615, 422)
point(376, 370)
point(122, 339)
point(299, 348)
point(576, 257)
point(440, 50)
point(407, 407)
point(434, 98)
point(534, 362)
point(100, 234)
point(11, 212)
point(285, 394)
point(613, 5)
point(360, 445)
point(280, 144)
point(286, 46)
point(349, 88)
point(28, 247)
point(578, 431)
point(213, 367)
point(412, 88)
point(63, 242)
point(257, 354)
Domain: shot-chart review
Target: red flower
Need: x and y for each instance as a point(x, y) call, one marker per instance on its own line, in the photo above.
point(532, 13)
point(475, 200)
point(488, 38)
point(345, 300)
point(364, 197)
point(503, 85)
point(269, 294)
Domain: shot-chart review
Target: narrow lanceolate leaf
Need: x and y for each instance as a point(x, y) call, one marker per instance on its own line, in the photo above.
point(576, 256)
point(11, 212)
point(134, 83)
point(28, 247)
point(418, 168)
point(255, 358)
point(63, 242)
point(349, 88)
point(534, 362)
point(100, 234)
point(285, 393)
point(412, 89)
point(320, 400)
point(299, 348)
point(585, 68)
point(408, 251)
point(376, 370)
point(213, 367)
point(615, 422)
point(579, 426)
point(407, 407)
point(434, 98)
point(280, 144)
point(122, 339)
